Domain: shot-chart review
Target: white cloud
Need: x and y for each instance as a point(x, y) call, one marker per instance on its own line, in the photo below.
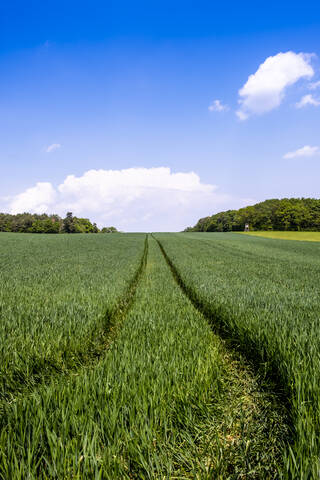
point(134, 199)
point(306, 151)
point(53, 147)
point(217, 106)
point(242, 115)
point(37, 199)
point(314, 85)
point(265, 89)
point(307, 100)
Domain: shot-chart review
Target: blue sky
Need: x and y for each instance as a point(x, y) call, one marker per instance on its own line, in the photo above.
point(105, 108)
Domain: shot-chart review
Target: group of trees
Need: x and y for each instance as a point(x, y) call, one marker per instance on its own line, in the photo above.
point(275, 214)
point(43, 223)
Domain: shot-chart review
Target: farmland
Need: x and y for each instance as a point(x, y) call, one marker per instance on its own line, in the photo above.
point(286, 235)
point(190, 355)
point(57, 302)
point(263, 296)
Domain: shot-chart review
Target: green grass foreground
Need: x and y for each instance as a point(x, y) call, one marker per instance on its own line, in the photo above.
point(285, 235)
point(58, 296)
point(263, 296)
point(166, 400)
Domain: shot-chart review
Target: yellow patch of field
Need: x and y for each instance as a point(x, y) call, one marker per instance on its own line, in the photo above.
point(304, 236)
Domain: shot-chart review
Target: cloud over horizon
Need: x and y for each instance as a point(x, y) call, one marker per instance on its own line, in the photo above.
point(265, 89)
point(133, 199)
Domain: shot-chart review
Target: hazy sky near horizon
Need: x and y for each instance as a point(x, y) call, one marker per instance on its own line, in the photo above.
point(149, 115)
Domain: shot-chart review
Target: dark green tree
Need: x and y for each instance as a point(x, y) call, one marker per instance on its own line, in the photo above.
point(273, 214)
point(68, 224)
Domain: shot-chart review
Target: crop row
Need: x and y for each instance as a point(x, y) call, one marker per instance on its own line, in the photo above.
point(263, 295)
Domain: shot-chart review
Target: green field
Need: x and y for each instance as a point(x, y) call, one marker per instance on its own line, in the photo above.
point(285, 235)
point(165, 356)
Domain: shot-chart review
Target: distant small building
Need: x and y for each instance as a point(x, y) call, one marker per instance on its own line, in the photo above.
point(246, 227)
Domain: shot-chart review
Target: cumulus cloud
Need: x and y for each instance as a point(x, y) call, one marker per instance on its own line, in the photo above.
point(217, 106)
point(306, 151)
point(134, 199)
point(307, 100)
point(37, 199)
point(265, 89)
point(53, 147)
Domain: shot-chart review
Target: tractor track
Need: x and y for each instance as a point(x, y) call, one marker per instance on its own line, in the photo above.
point(112, 323)
point(269, 385)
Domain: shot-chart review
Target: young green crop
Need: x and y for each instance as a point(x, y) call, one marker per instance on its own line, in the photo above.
point(57, 298)
point(166, 401)
point(264, 295)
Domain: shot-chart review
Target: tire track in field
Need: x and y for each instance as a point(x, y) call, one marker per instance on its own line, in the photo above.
point(116, 316)
point(219, 323)
point(186, 290)
point(239, 362)
point(111, 325)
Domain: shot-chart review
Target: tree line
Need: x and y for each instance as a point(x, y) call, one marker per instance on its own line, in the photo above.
point(43, 223)
point(275, 214)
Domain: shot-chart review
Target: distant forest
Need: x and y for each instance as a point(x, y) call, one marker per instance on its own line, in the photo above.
point(43, 223)
point(284, 214)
